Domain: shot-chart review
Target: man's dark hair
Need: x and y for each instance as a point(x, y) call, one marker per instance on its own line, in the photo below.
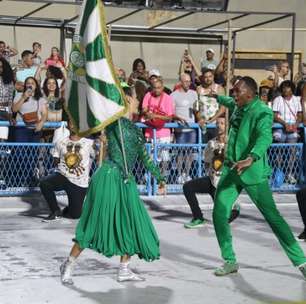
point(279, 64)
point(250, 83)
point(34, 43)
point(26, 53)
point(287, 84)
point(206, 70)
point(2, 42)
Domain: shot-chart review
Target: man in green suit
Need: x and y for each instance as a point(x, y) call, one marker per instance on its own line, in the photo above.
point(246, 167)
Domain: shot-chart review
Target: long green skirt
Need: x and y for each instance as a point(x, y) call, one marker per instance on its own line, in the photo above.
point(114, 220)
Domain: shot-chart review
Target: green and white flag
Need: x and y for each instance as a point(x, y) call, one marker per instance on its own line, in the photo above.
point(94, 98)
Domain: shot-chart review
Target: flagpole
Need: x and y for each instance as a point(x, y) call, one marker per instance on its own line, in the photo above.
point(119, 120)
point(123, 149)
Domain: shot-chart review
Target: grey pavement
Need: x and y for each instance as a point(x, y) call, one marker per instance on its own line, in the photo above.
point(31, 252)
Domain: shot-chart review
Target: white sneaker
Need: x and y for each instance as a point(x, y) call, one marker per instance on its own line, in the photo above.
point(291, 179)
point(181, 179)
point(188, 179)
point(66, 273)
point(128, 275)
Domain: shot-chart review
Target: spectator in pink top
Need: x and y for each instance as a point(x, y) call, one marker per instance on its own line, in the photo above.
point(157, 109)
point(55, 59)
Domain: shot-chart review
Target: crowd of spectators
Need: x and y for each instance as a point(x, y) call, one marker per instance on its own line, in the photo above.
point(33, 92)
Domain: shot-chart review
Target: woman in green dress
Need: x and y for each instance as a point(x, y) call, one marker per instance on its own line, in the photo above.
point(114, 220)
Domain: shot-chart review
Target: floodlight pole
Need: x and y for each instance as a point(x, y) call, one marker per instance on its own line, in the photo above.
point(292, 45)
point(234, 53)
point(228, 72)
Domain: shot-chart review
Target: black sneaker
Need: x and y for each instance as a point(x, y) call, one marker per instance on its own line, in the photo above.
point(235, 213)
point(53, 217)
point(302, 236)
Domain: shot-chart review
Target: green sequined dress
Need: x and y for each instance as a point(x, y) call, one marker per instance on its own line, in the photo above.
point(114, 220)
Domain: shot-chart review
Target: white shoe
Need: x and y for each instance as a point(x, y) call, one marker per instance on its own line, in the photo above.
point(66, 273)
point(291, 179)
point(188, 179)
point(181, 179)
point(128, 275)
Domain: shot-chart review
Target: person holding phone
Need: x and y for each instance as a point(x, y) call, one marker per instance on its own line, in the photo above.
point(189, 67)
point(30, 108)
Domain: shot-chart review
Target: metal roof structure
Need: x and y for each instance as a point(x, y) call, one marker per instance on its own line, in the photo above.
point(130, 22)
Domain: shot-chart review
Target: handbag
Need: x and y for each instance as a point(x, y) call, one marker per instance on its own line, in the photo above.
point(31, 118)
point(60, 133)
point(156, 123)
point(291, 128)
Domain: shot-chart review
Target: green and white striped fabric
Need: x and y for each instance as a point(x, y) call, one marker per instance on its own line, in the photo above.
point(94, 98)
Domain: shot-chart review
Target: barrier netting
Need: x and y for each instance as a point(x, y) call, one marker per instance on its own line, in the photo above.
point(22, 165)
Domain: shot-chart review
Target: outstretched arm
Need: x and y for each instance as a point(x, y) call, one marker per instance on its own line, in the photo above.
point(149, 165)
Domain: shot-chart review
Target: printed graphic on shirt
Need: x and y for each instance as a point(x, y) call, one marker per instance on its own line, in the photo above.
point(218, 158)
point(73, 159)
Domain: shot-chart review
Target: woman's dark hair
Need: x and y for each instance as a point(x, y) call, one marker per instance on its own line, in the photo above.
point(287, 84)
point(56, 48)
point(128, 91)
point(7, 74)
point(37, 92)
point(45, 87)
point(55, 72)
point(136, 62)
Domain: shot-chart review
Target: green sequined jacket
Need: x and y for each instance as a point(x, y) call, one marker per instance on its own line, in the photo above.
point(134, 146)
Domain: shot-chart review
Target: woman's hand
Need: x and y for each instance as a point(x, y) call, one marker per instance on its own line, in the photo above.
point(27, 94)
point(39, 126)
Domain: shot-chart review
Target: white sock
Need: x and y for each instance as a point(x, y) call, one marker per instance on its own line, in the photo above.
point(71, 260)
point(124, 266)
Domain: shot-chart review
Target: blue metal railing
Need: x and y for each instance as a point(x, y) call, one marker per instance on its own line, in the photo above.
point(22, 164)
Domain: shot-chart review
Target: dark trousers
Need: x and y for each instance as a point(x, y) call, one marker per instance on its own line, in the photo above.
point(301, 199)
point(25, 157)
point(191, 188)
point(58, 182)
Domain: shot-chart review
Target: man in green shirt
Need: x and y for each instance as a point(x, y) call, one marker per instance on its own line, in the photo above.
point(246, 167)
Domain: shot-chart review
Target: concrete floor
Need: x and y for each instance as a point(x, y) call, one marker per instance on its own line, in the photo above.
point(31, 252)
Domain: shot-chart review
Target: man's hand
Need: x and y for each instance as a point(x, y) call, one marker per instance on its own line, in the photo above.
point(180, 120)
point(201, 122)
point(242, 165)
point(162, 188)
point(150, 115)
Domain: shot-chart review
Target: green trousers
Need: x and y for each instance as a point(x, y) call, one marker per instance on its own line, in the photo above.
point(229, 188)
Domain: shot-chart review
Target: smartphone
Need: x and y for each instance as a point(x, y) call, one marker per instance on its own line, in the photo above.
point(29, 89)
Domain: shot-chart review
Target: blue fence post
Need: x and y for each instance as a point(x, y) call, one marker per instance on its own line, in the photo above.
point(148, 174)
point(304, 156)
point(155, 158)
point(199, 151)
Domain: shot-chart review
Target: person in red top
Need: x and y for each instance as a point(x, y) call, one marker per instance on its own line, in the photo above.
point(55, 59)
